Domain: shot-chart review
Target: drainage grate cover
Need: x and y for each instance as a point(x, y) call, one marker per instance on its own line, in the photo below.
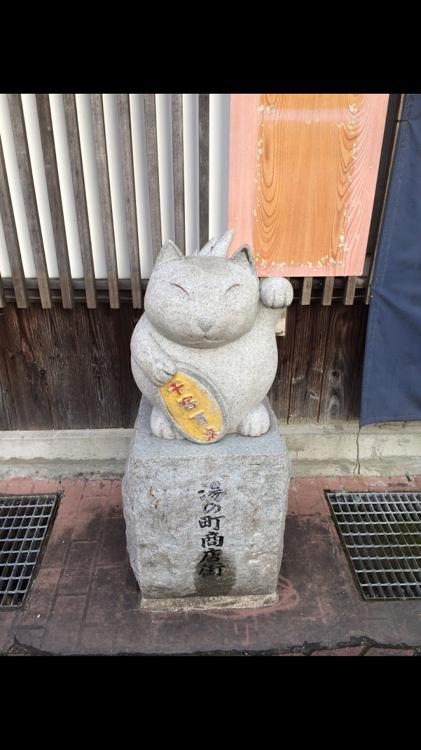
point(381, 534)
point(24, 523)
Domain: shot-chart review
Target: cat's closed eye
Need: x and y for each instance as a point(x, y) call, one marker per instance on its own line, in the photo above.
point(179, 287)
point(233, 286)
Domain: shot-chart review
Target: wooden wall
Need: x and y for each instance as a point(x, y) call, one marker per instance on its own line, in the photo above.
point(69, 369)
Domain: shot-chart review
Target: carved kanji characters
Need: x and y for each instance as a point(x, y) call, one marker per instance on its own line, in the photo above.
point(212, 539)
point(206, 521)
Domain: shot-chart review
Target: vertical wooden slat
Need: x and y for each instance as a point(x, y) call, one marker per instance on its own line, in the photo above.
point(178, 168)
point(25, 358)
point(311, 329)
point(219, 163)
point(2, 297)
point(191, 171)
point(359, 314)
point(73, 136)
point(342, 365)
point(328, 285)
point(349, 291)
point(54, 197)
point(105, 197)
point(279, 394)
point(29, 196)
point(204, 167)
point(165, 165)
point(130, 197)
point(306, 290)
point(153, 175)
point(11, 235)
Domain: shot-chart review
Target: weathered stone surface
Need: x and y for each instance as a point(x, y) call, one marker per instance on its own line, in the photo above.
point(205, 520)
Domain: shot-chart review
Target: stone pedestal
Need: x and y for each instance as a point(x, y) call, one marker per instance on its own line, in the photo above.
point(205, 523)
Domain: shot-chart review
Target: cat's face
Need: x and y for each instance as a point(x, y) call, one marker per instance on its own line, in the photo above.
point(202, 302)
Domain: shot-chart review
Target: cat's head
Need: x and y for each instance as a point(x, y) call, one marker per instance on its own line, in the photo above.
point(203, 300)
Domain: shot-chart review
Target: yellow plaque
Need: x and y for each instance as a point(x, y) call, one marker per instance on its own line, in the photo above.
point(193, 408)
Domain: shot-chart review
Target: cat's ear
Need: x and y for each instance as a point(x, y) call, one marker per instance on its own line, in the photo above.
point(220, 248)
point(169, 251)
point(244, 257)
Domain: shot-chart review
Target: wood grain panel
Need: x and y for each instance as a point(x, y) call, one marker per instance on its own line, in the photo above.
point(62, 369)
point(311, 329)
point(303, 171)
point(23, 369)
point(343, 362)
point(279, 394)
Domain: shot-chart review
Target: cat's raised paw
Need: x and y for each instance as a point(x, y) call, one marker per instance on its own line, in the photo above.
point(255, 423)
point(276, 292)
point(161, 426)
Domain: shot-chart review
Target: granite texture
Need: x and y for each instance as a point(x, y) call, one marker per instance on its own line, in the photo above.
point(205, 521)
point(209, 316)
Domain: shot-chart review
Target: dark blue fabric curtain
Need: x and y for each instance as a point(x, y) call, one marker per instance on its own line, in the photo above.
point(392, 362)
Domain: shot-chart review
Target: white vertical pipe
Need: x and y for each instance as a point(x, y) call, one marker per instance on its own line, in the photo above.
point(191, 170)
point(115, 169)
point(16, 195)
point(66, 184)
point(137, 116)
point(87, 146)
point(30, 112)
point(5, 270)
point(165, 165)
point(219, 127)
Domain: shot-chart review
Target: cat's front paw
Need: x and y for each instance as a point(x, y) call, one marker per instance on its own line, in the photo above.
point(164, 370)
point(161, 426)
point(255, 423)
point(276, 292)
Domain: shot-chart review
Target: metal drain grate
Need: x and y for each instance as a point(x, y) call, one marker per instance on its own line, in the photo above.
point(381, 533)
point(24, 523)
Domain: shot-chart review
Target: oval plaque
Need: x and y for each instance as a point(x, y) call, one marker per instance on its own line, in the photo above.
point(193, 408)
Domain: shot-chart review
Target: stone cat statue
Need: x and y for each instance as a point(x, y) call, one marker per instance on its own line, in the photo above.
point(204, 351)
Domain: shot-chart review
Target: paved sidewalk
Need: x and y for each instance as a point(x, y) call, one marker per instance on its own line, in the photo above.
point(84, 599)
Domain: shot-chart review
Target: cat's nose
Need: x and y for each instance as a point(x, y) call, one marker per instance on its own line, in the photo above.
point(205, 324)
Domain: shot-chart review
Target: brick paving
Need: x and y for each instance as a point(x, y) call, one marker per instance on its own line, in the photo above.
point(85, 600)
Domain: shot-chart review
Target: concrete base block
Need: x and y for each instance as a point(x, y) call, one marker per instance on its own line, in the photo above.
point(205, 523)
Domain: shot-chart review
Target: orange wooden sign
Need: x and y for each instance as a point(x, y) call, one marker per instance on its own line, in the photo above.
point(303, 171)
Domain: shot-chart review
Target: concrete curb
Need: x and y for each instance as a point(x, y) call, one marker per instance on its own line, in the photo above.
point(316, 449)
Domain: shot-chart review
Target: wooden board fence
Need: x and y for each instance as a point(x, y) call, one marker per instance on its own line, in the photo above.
point(86, 243)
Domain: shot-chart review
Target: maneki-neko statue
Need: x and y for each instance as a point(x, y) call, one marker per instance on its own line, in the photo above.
point(204, 351)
